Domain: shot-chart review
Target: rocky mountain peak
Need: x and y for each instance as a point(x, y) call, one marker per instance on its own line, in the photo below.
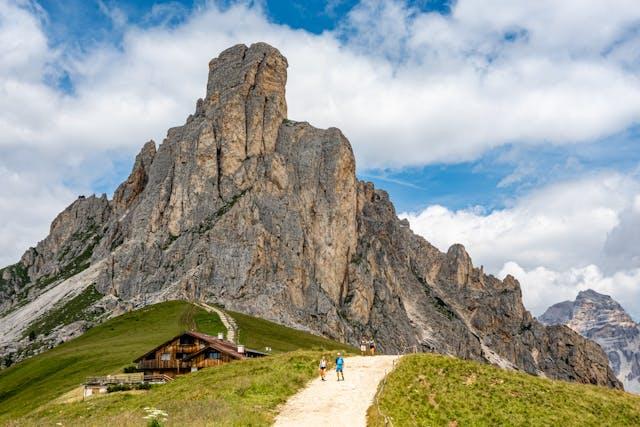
point(246, 101)
point(590, 293)
point(458, 267)
point(589, 296)
point(258, 70)
point(558, 314)
point(594, 310)
point(602, 319)
point(242, 207)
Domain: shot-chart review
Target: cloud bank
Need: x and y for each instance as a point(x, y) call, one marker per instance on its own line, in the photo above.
point(436, 88)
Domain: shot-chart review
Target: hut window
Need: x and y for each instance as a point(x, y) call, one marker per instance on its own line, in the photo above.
point(166, 356)
point(150, 356)
point(186, 340)
point(181, 356)
point(213, 355)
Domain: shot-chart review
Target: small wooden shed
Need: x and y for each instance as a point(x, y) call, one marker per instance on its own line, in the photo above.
point(189, 352)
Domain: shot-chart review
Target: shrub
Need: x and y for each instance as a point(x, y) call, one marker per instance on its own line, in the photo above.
point(8, 360)
point(118, 387)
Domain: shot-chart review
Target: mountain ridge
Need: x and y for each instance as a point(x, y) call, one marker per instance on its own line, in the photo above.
point(244, 207)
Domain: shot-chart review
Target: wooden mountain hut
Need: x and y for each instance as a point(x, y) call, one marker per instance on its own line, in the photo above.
point(189, 352)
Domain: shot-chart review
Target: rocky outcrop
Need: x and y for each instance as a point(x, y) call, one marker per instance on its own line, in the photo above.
point(65, 252)
point(243, 207)
point(601, 319)
point(127, 193)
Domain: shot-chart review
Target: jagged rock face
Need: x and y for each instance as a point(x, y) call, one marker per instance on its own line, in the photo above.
point(243, 207)
point(601, 319)
point(65, 252)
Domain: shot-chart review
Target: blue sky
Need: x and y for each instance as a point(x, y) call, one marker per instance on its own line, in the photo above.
point(510, 127)
point(84, 22)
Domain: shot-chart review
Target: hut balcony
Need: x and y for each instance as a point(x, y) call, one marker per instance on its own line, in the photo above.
point(162, 364)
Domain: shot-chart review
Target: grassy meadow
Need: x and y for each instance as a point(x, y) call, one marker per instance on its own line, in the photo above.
point(435, 390)
point(107, 348)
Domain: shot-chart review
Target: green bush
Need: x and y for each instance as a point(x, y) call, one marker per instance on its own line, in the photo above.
point(126, 387)
point(118, 387)
point(8, 360)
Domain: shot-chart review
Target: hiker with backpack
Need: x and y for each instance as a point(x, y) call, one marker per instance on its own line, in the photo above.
point(323, 368)
point(340, 366)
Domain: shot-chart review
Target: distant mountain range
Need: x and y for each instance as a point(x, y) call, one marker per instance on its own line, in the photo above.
point(603, 320)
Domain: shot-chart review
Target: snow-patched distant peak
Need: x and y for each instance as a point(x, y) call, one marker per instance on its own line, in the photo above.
point(602, 319)
point(592, 310)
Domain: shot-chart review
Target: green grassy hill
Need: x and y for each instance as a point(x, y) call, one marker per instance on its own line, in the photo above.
point(435, 390)
point(258, 333)
point(244, 393)
point(109, 347)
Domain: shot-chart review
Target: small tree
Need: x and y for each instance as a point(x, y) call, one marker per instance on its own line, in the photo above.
point(32, 335)
point(8, 360)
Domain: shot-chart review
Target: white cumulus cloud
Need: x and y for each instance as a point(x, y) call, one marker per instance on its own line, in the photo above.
point(542, 287)
point(553, 240)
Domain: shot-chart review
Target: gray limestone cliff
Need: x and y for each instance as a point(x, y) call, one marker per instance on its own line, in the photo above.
point(601, 319)
point(243, 207)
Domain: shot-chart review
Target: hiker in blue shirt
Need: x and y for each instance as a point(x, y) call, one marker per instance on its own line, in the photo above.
point(339, 367)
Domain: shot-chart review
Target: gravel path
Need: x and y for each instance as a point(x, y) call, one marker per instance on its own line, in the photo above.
point(338, 403)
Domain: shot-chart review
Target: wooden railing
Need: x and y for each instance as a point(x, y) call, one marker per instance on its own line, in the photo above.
point(137, 378)
point(187, 348)
point(157, 378)
point(162, 364)
point(117, 379)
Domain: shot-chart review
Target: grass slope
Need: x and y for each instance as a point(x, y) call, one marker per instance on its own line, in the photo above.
point(101, 350)
point(258, 333)
point(109, 347)
point(244, 393)
point(429, 389)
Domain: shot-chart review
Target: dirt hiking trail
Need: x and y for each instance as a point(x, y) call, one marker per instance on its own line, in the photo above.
point(338, 403)
point(226, 320)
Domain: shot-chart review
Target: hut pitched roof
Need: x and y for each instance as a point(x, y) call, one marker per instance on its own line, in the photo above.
point(218, 344)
